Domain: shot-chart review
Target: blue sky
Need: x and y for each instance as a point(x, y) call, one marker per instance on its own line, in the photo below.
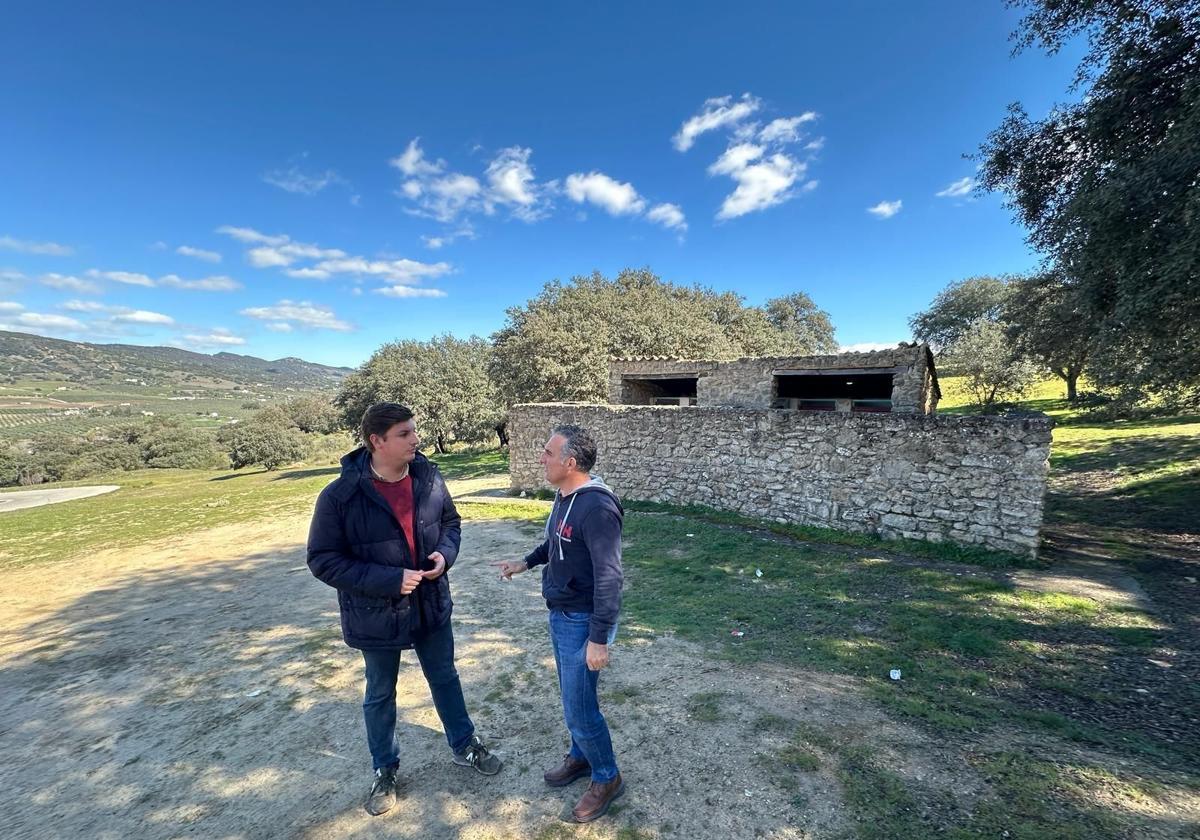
point(315, 179)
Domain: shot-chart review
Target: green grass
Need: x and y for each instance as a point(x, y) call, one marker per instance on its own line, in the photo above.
point(970, 648)
point(706, 706)
point(949, 552)
point(1113, 475)
point(155, 504)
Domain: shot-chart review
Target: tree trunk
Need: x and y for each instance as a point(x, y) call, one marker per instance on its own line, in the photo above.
point(1072, 382)
point(440, 443)
point(502, 433)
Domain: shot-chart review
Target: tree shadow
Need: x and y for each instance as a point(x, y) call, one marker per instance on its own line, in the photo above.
point(217, 699)
point(296, 475)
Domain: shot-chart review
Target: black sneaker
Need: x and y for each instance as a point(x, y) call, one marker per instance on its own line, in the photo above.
point(383, 792)
point(476, 755)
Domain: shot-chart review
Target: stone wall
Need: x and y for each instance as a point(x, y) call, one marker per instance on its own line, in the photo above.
point(750, 383)
point(972, 480)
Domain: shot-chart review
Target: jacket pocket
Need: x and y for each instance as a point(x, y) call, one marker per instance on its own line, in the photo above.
point(373, 619)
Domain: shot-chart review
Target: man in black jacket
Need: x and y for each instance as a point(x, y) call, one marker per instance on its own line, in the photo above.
point(384, 534)
point(582, 587)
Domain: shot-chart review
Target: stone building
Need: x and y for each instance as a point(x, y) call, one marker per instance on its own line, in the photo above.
point(850, 442)
point(901, 380)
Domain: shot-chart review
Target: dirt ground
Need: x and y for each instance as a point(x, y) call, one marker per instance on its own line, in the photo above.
point(199, 687)
point(20, 499)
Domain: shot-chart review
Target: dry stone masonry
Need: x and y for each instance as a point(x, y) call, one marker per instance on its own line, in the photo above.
point(971, 480)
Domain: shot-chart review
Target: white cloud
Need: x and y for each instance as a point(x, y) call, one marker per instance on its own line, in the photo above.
point(886, 209)
point(783, 130)
point(70, 283)
point(958, 189)
point(669, 216)
point(307, 273)
point(617, 198)
point(446, 196)
point(251, 236)
point(302, 314)
point(867, 347)
point(198, 253)
point(279, 327)
point(217, 337)
point(412, 161)
point(761, 182)
point(295, 180)
point(278, 250)
point(397, 271)
point(129, 278)
point(465, 231)
point(24, 246)
point(90, 306)
point(410, 292)
point(44, 321)
point(281, 251)
point(142, 316)
point(10, 306)
point(218, 283)
point(268, 258)
point(512, 183)
point(717, 113)
point(756, 158)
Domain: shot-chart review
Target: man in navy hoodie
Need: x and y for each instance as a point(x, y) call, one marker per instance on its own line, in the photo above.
point(582, 587)
point(385, 534)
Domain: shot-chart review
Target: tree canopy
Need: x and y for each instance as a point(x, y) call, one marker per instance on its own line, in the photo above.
point(444, 381)
point(1109, 186)
point(557, 346)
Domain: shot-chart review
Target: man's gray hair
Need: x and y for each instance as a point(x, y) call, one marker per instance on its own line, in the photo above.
point(578, 444)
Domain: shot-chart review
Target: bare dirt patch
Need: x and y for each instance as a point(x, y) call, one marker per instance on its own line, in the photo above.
point(201, 687)
point(21, 499)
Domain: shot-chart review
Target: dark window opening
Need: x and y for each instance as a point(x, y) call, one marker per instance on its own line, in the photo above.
point(863, 392)
point(677, 391)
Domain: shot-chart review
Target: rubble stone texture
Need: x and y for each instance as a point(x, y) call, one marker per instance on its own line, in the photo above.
point(971, 480)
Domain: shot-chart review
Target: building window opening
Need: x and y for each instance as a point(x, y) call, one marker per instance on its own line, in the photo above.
point(834, 391)
point(666, 391)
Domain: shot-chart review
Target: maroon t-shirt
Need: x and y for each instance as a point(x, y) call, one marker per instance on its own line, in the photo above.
point(399, 496)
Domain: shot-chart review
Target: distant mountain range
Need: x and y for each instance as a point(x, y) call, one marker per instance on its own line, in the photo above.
point(24, 356)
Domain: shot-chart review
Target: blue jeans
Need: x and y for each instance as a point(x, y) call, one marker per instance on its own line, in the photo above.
point(590, 740)
point(436, 655)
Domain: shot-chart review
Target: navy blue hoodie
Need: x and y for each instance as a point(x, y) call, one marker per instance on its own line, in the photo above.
point(582, 553)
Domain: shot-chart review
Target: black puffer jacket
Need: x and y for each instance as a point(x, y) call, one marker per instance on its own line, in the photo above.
point(356, 546)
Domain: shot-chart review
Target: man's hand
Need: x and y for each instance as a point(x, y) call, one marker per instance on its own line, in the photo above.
point(508, 568)
point(411, 578)
point(439, 566)
point(597, 656)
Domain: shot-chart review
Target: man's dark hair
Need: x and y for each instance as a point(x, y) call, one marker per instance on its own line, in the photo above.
point(578, 444)
point(380, 417)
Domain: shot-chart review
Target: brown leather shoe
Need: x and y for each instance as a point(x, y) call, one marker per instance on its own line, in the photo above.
point(567, 772)
point(597, 799)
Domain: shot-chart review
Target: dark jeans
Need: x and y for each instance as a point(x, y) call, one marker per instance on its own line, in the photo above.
point(436, 655)
point(581, 708)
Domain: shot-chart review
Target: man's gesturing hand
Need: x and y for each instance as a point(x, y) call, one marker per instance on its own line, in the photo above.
point(508, 568)
point(597, 656)
point(439, 566)
point(411, 578)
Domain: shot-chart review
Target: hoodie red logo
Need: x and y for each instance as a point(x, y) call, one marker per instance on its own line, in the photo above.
point(566, 532)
